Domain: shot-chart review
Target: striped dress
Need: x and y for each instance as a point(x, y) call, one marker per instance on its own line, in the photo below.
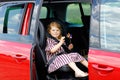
point(61, 59)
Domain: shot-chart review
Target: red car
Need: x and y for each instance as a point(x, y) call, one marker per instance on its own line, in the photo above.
point(94, 25)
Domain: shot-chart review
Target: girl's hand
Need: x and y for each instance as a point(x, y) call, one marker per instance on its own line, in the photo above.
point(62, 40)
point(70, 46)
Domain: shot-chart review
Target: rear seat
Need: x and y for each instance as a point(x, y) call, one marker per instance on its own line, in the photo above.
point(64, 72)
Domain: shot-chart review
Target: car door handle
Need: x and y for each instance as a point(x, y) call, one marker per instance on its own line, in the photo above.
point(104, 68)
point(20, 57)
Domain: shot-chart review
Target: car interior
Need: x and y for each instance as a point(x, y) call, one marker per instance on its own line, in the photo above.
point(59, 10)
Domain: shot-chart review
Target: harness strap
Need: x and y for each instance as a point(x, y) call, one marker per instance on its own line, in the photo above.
point(64, 46)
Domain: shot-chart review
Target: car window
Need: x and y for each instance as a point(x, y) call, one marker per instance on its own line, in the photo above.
point(109, 25)
point(43, 13)
point(86, 9)
point(73, 14)
point(10, 18)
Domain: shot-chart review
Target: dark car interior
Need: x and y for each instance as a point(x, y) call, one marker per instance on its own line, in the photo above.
point(56, 11)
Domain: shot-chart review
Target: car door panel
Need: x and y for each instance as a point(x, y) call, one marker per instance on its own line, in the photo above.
point(14, 60)
point(104, 65)
point(17, 25)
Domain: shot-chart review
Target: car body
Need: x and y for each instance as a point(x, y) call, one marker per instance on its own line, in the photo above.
point(93, 25)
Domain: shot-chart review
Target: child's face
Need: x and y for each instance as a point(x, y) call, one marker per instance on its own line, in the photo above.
point(55, 32)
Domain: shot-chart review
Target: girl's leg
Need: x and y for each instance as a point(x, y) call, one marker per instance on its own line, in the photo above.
point(78, 72)
point(85, 63)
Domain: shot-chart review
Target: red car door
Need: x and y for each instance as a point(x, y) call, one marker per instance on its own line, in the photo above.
point(15, 48)
point(104, 52)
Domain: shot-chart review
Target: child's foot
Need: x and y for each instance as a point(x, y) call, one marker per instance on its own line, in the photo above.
point(81, 74)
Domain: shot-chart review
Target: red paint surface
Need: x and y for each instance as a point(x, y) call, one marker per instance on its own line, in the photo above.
point(14, 61)
point(104, 65)
point(25, 26)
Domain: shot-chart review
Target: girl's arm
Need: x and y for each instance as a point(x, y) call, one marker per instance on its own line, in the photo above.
point(57, 46)
point(70, 46)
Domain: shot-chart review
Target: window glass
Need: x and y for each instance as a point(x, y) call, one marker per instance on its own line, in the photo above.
point(73, 14)
point(10, 18)
point(86, 8)
point(94, 25)
point(109, 25)
point(43, 13)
